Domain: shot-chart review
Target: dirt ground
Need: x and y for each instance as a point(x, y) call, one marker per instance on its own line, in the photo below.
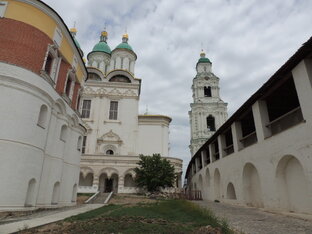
point(130, 199)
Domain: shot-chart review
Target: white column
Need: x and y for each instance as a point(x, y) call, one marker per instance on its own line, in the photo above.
point(210, 153)
point(302, 74)
point(261, 118)
point(220, 144)
point(237, 135)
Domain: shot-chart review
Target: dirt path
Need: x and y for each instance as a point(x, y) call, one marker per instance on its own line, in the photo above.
point(254, 221)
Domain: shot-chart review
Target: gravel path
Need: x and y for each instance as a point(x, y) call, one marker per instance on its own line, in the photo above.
point(254, 221)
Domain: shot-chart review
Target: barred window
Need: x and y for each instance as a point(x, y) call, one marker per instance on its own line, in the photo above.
point(85, 110)
point(113, 110)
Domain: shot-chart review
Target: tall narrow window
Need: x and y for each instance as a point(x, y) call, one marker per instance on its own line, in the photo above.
point(68, 86)
point(207, 91)
point(48, 64)
point(85, 110)
point(211, 123)
point(84, 141)
point(113, 110)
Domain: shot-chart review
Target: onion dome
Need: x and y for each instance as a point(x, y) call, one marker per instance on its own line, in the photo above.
point(102, 45)
point(203, 58)
point(124, 44)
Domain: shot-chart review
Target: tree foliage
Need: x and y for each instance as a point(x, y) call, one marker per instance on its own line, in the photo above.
point(154, 172)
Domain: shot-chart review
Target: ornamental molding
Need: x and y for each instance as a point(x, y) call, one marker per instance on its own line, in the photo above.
point(109, 137)
point(109, 92)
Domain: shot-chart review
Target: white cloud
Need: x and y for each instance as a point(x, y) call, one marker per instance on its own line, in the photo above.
point(246, 40)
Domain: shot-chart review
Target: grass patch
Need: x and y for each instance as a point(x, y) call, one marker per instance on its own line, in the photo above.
point(169, 216)
point(85, 194)
point(93, 213)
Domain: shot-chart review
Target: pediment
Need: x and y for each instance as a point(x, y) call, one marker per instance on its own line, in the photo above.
point(109, 137)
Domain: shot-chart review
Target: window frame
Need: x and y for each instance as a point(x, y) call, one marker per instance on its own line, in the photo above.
point(52, 75)
point(85, 110)
point(72, 76)
point(113, 111)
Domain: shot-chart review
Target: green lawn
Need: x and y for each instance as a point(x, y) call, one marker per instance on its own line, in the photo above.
point(171, 216)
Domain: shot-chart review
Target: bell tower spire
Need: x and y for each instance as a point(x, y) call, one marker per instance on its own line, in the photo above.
point(208, 111)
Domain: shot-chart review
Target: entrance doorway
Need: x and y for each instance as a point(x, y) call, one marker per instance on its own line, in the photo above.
point(108, 185)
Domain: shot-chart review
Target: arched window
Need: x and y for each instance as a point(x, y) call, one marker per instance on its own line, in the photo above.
point(211, 123)
point(120, 78)
point(110, 152)
point(93, 76)
point(63, 133)
point(207, 91)
point(55, 193)
point(30, 196)
point(43, 116)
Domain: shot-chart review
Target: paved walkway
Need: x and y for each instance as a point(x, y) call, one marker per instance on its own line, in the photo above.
point(254, 221)
point(45, 219)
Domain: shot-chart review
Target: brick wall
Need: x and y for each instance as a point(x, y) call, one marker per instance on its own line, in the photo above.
point(22, 44)
point(25, 46)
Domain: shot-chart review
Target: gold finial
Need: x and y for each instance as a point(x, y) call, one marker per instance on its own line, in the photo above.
point(202, 54)
point(73, 30)
point(104, 34)
point(125, 35)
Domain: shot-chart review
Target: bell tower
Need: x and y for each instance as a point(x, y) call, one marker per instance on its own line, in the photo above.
point(208, 112)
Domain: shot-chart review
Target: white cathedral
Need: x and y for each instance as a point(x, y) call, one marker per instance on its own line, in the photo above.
point(116, 133)
point(208, 111)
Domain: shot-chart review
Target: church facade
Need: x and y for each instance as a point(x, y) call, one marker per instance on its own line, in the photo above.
point(208, 111)
point(116, 133)
point(41, 76)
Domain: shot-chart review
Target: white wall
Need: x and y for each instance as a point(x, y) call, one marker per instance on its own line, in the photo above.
point(153, 135)
point(276, 172)
point(27, 150)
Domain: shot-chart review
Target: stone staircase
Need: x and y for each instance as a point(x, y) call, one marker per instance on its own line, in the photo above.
point(100, 198)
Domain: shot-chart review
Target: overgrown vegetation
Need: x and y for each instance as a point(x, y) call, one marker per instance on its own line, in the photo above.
point(169, 216)
point(154, 172)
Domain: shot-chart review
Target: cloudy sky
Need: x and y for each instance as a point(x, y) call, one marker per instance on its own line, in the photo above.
point(246, 40)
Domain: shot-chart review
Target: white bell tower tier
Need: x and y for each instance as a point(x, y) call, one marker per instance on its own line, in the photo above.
point(208, 111)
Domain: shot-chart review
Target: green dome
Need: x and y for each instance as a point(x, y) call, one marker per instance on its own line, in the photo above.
point(124, 45)
point(204, 60)
point(102, 47)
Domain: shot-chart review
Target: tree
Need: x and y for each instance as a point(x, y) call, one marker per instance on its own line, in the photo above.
point(154, 172)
